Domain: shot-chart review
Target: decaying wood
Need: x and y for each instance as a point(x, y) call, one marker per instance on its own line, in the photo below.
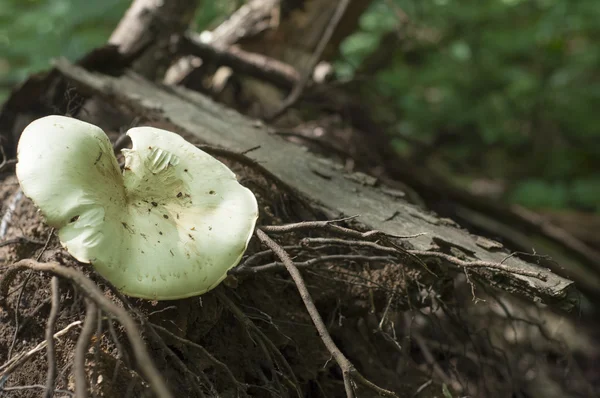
point(365, 203)
point(249, 20)
point(323, 183)
point(578, 261)
point(299, 28)
point(311, 64)
point(148, 26)
point(252, 64)
point(288, 32)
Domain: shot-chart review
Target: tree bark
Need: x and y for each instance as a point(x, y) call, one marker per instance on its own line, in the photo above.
point(147, 27)
point(287, 31)
point(323, 183)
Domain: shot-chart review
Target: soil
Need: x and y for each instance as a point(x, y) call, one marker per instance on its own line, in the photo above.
point(419, 331)
point(345, 295)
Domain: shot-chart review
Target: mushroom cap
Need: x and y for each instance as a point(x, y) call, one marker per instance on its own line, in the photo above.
point(169, 227)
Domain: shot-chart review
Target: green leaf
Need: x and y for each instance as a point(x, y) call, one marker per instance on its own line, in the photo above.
point(540, 194)
point(446, 391)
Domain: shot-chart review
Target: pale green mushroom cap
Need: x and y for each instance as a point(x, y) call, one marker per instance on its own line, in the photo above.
point(169, 227)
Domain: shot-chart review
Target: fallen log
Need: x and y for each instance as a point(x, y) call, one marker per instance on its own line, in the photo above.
point(323, 183)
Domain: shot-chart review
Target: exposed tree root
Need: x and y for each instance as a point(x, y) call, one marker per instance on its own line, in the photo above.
point(348, 370)
point(93, 293)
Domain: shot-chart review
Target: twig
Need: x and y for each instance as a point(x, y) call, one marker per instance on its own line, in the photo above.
point(5, 162)
point(396, 250)
point(314, 60)
point(247, 151)
point(329, 225)
point(7, 217)
point(256, 257)
point(8, 367)
point(385, 312)
point(422, 387)
point(343, 242)
point(300, 226)
point(121, 142)
point(472, 285)
point(308, 263)
point(451, 259)
point(480, 264)
point(89, 288)
point(89, 324)
point(35, 387)
point(251, 64)
point(20, 239)
point(41, 253)
point(50, 350)
point(347, 367)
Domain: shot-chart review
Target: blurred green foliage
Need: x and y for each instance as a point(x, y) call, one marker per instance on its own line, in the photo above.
point(501, 89)
point(32, 32)
point(506, 89)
